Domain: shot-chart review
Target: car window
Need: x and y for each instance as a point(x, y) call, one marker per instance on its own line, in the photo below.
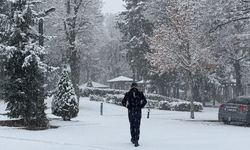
point(243, 100)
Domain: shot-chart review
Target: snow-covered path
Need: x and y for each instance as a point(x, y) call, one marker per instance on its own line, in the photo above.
point(165, 130)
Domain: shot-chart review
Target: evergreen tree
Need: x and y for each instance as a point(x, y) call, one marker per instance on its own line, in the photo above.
point(135, 27)
point(25, 71)
point(65, 103)
point(33, 83)
point(3, 19)
point(3, 7)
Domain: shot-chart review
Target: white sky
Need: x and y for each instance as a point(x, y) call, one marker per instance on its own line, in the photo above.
point(112, 6)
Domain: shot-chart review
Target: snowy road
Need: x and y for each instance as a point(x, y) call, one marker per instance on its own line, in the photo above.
point(165, 130)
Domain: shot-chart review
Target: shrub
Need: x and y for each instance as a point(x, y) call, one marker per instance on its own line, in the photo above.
point(152, 104)
point(65, 103)
point(185, 106)
point(96, 98)
point(154, 100)
point(86, 92)
point(115, 99)
point(164, 105)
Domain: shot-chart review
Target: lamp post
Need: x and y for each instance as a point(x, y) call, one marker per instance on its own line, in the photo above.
point(133, 69)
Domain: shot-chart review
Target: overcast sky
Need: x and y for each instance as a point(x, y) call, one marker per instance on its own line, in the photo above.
point(113, 6)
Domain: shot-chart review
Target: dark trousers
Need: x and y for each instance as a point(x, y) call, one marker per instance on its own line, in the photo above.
point(135, 121)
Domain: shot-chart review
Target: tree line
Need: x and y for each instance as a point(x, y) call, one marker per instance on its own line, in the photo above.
point(199, 48)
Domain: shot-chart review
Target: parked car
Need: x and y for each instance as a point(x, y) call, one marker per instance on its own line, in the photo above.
point(235, 110)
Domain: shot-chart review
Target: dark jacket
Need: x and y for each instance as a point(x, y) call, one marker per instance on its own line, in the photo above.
point(134, 99)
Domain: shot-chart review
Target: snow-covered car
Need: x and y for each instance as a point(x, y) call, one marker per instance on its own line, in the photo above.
point(235, 110)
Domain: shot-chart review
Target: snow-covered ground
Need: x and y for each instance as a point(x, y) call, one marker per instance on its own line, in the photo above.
point(165, 130)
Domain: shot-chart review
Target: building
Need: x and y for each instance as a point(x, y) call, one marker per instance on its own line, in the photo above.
point(93, 85)
point(121, 83)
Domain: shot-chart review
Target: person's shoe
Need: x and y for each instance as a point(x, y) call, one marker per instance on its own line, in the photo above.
point(132, 141)
point(136, 144)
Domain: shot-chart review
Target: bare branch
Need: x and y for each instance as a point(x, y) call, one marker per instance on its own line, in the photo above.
point(227, 22)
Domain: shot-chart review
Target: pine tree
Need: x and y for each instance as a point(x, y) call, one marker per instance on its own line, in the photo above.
point(65, 103)
point(3, 8)
point(3, 19)
point(25, 71)
point(135, 27)
point(33, 83)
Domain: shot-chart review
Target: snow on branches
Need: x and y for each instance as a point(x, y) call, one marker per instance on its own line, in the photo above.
point(65, 102)
point(177, 43)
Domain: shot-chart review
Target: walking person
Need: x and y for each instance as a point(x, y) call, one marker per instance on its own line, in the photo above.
point(134, 100)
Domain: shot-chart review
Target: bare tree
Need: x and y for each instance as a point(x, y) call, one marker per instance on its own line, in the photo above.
point(78, 19)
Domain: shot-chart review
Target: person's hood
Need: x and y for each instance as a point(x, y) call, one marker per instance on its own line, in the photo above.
point(134, 89)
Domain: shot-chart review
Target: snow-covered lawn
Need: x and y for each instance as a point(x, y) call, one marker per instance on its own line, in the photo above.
point(165, 130)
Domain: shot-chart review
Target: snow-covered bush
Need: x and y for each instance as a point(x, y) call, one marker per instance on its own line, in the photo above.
point(96, 98)
point(164, 105)
point(174, 104)
point(185, 106)
point(152, 104)
point(155, 101)
point(115, 99)
point(65, 102)
point(86, 92)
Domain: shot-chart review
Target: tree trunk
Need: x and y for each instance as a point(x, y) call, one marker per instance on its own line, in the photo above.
point(133, 75)
point(174, 91)
point(74, 57)
point(75, 72)
point(238, 76)
point(177, 91)
point(214, 95)
point(190, 94)
point(169, 91)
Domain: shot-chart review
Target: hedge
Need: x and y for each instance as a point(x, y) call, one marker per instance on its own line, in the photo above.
point(114, 99)
point(86, 92)
point(153, 104)
point(185, 106)
point(96, 98)
point(164, 105)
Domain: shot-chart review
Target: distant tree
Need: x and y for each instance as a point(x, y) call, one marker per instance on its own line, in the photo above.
point(65, 102)
point(88, 31)
point(112, 53)
point(135, 27)
point(233, 49)
point(81, 16)
point(229, 21)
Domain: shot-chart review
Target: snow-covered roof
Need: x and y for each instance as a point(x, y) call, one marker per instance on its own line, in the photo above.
point(121, 79)
point(142, 82)
point(95, 85)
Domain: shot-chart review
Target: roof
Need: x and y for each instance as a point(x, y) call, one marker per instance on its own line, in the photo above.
point(245, 96)
point(121, 79)
point(95, 85)
point(142, 82)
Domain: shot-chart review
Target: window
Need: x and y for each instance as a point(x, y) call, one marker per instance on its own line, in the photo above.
point(243, 100)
